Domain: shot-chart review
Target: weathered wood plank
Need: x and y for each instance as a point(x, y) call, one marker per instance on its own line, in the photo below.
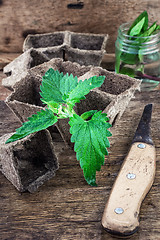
point(19, 18)
point(65, 207)
point(6, 58)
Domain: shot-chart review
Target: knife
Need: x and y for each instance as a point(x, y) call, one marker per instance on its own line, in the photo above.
point(121, 213)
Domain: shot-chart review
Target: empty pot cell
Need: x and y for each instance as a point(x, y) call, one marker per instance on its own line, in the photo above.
point(72, 68)
point(34, 157)
point(25, 61)
point(84, 57)
point(17, 69)
point(53, 52)
point(37, 58)
point(26, 92)
point(29, 162)
point(43, 68)
point(25, 100)
point(44, 40)
point(95, 100)
point(114, 83)
point(86, 49)
point(86, 42)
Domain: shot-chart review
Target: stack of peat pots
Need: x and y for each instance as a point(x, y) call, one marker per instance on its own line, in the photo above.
point(29, 162)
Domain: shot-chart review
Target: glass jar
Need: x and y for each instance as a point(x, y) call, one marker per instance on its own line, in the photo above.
point(138, 57)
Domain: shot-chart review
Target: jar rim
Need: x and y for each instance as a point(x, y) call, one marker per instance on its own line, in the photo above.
point(125, 26)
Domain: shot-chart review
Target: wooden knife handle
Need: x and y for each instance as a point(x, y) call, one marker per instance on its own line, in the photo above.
point(131, 186)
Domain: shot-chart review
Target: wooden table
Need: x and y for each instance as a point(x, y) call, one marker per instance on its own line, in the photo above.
point(65, 207)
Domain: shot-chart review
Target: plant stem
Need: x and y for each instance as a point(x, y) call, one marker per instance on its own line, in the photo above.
point(142, 75)
point(66, 111)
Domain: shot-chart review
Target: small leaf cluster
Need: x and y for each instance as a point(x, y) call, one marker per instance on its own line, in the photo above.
point(89, 131)
point(138, 33)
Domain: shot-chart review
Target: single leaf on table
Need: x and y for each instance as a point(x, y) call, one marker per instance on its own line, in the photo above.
point(37, 122)
point(139, 25)
point(91, 143)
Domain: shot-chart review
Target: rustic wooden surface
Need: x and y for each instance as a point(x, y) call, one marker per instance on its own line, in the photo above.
point(21, 17)
point(65, 207)
point(6, 58)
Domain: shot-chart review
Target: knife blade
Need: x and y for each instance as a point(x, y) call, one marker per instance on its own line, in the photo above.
point(121, 213)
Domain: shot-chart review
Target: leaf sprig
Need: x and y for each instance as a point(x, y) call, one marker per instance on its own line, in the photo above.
point(139, 33)
point(89, 131)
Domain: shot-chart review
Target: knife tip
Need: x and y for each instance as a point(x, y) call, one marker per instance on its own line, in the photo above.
point(142, 133)
point(148, 106)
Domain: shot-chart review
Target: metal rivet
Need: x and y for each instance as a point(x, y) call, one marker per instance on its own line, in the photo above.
point(119, 210)
point(131, 176)
point(141, 145)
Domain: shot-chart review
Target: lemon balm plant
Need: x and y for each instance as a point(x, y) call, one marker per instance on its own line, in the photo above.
point(89, 131)
point(138, 50)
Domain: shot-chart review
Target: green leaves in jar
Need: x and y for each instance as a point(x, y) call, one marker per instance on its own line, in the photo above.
point(138, 33)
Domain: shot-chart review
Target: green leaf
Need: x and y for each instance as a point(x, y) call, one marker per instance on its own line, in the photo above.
point(59, 88)
point(128, 71)
point(84, 87)
point(91, 142)
point(143, 37)
point(136, 30)
point(157, 28)
point(149, 31)
point(88, 114)
point(37, 122)
point(139, 25)
point(55, 86)
point(129, 58)
point(50, 88)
